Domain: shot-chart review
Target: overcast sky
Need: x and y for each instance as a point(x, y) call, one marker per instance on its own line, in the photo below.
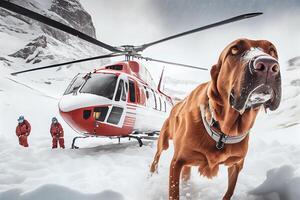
point(121, 22)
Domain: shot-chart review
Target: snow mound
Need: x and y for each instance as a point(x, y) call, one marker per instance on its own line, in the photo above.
point(57, 192)
point(280, 184)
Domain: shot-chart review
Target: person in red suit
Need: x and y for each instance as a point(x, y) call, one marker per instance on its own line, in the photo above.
point(57, 134)
point(22, 131)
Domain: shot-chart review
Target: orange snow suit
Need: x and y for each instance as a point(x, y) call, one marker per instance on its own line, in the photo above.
point(23, 131)
point(57, 134)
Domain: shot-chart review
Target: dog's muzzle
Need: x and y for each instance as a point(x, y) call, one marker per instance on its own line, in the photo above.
point(261, 84)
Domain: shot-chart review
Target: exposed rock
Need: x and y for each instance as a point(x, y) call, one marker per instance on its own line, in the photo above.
point(37, 61)
point(293, 63)
point(48, 82)
point(5, 13)
point(31, 47)
point(39, 57)
point(295, 82)
point(34, 58)
point(74, 14)
point(59, 35)
point(4, 60)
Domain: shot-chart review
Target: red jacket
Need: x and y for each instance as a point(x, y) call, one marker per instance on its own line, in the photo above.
point(23, 128)
point(56, 130)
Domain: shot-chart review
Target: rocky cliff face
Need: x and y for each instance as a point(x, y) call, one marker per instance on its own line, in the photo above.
point(75, 15)
point(28, 42)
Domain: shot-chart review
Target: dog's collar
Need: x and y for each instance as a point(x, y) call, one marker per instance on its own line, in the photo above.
point(215, 133)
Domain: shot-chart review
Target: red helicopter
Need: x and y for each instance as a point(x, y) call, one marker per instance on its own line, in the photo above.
point(117, 100)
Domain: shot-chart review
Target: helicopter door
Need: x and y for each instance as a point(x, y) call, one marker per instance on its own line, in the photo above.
point(120, 91)
point(117, 115)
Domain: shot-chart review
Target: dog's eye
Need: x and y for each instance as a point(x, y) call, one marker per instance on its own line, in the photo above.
point(234, 50)
point(272, 52)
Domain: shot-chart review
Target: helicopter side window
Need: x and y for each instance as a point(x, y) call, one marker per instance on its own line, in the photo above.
point(142, 96)
point(124, 91)
point(126, 86)
point(147, 93)
point(120, 91)
point(159, 103)
point(155, 102)
point(101, 84)
point(131, 91)
point(74, 85)
point(150, 100)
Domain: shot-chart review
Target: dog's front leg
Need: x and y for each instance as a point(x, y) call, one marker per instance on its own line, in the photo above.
point(233, 173)
point(175, 170)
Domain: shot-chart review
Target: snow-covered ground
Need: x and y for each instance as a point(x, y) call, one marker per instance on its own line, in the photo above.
point(102, 169)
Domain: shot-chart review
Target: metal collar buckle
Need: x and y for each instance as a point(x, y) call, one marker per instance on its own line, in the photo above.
point(218, 136)
point(220, 144)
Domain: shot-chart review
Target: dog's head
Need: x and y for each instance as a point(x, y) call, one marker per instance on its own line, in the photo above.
point(247, 75)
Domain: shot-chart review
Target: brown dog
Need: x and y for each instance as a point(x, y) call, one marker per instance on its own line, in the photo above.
point(210, 126)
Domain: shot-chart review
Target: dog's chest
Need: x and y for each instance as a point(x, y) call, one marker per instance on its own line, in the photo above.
point(210, 161)
point(222, 157)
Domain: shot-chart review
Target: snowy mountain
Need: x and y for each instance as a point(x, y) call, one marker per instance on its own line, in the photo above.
point(27, 43)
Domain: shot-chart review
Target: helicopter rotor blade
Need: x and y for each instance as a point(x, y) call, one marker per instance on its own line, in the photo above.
point(70, 62)
point(230, 20)
point(170, 63)
point(55, 24)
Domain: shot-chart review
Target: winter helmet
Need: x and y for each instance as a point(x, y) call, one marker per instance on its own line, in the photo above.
point(54, 120)
point(21, 119)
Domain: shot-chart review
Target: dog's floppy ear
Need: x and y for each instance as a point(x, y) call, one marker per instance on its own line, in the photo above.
point(213, 92)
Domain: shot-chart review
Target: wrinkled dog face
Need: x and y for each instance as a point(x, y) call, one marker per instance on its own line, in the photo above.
point(253, 74)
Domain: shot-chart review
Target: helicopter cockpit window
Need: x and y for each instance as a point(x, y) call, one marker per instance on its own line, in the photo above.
point(74, 85)
point(101, 84)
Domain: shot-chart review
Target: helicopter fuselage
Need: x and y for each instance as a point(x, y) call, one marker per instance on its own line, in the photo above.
point(115, 100)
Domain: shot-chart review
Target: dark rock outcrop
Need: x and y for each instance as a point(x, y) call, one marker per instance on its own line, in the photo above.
point(75, 15)
point(296, 82)
point(293, 63)
point(4, 60)
point(30, 48)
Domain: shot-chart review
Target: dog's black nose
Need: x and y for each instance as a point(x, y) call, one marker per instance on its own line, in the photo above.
point(266, 66)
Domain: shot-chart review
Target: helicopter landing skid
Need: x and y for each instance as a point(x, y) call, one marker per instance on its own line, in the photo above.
point(74, 140)
point(139, 136)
